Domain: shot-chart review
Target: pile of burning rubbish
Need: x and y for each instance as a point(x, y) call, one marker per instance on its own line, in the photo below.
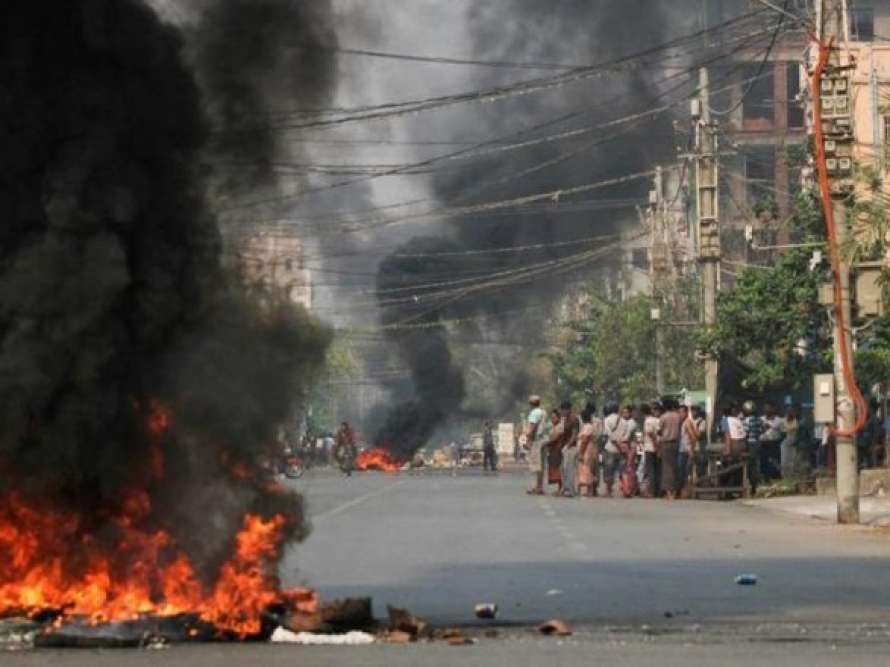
point(380, 459)
point(297, 617)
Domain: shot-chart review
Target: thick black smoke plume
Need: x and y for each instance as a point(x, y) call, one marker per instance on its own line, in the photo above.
point(114, 303)
point(573, 31)
point(258, 60)
point(422, 344)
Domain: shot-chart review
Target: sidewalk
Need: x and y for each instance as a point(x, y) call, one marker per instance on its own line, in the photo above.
point(874, 512)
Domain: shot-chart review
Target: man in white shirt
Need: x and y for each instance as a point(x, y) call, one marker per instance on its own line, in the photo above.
point(650, 440)
point(619, 429)
point(533, 442)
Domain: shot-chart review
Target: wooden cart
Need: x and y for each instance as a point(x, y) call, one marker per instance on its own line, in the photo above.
point(722, 478)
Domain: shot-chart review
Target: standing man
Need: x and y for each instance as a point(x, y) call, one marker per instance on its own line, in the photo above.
point(669, 425)
point(613, 430)
point(771, 444)
point(489, 455)
point(533, 439)
point(650, 442)
point(570, 450)
point(753, 424)
point(688, 443)
point(701, 447)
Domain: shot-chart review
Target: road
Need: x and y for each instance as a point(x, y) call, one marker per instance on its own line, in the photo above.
point(643, 582)
point(438, 544)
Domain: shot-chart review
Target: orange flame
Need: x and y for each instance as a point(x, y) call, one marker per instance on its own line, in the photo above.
point(54, 560)
point(48, 562)
point(378, 459)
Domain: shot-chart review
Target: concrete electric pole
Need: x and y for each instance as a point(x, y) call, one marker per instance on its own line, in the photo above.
point(707, 175)
point(834, 139)
point(657, 260)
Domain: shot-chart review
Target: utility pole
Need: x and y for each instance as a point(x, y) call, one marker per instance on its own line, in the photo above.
point(707, 174)
point(657, 259)
point(835, 133)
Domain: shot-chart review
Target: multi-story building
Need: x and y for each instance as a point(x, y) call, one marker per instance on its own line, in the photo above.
point(757, 100)
point(274, 260)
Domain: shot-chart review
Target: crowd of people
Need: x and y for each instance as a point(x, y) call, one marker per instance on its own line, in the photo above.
point(655, 450)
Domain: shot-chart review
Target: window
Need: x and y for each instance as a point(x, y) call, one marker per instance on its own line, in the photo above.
point(795, 108)
point(760, 169)
point(759, 103)
point(862, 24)
point(640, 259)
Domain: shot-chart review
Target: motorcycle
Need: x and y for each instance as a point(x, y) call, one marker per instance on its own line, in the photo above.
point(295, 464)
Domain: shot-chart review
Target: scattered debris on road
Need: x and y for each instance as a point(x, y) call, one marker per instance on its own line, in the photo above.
point(17, 634)
point(334, 617)
point(555, 627)
point(354, 638)
point(486, 610)
point(402, 620)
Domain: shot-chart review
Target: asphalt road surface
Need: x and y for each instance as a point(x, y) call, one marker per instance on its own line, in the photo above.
point(642, 582)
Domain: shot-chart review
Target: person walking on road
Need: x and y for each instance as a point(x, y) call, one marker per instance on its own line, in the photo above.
point(669, 447)
point(344, 449)
point(489, 455)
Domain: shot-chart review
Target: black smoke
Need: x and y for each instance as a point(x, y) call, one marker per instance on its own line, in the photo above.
point(260, 61)
point(414, 325)
point(114, 298)
point(517, 310)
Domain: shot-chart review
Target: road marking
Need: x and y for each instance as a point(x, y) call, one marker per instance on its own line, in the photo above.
point(355, 501)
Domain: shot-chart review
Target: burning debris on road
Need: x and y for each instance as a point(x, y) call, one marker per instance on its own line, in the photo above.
point(380, 459)
point(140, 382)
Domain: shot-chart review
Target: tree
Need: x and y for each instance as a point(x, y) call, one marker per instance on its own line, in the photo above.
point(611, 353)
point(770, 322)
point(329, 389)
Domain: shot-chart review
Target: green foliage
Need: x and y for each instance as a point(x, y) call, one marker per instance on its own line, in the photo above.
point(873, 356)
point(807, 223)
point(329, 389)
point(613, 354)
point(766, 315)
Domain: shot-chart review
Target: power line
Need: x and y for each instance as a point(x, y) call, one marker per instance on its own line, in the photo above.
point(479, 149)
point(500, 92)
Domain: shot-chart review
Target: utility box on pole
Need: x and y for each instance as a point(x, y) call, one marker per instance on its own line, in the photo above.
point(823, 398)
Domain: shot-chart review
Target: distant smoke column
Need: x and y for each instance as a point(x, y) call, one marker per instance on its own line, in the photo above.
point(113, 297)
point(413, 323)
point(571, 31)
